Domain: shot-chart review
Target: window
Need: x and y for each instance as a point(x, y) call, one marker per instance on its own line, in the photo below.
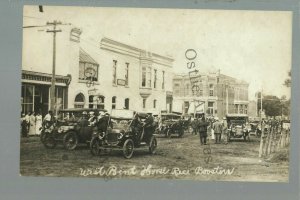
point(27, 98)
point(144, 103)
point(211, 93)
point(155, 77)
point(186, 106)
point(96, 101)
point(126, 74)
point(246, 109)
point(210, 109)
point(100, 102)
point(79, 101)
point(88, 71)
point(154, 103)
point(126, 103)
point(144, 77)
point(114, 72)
point(236, 108)
point(149, 77)
point(113, 102)
point(163, 80)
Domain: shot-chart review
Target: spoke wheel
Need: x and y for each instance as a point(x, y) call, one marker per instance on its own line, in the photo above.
point(153, 145)
point(70, 141)
point(128, 148)
point(48, 140)
point(95, 147)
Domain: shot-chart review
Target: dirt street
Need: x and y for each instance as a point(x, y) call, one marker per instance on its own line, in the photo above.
point(176, 158)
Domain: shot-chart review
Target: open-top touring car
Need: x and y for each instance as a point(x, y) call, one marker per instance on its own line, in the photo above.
point(170, 124)
point(71, 128)
point(121, 135)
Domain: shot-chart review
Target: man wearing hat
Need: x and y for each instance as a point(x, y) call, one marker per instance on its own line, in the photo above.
point(103, 121)
point(217, 127)
point(93, 119)
point(225, 130)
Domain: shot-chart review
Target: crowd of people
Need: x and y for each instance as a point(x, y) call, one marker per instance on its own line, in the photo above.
point(210, 126)
point(31, 123)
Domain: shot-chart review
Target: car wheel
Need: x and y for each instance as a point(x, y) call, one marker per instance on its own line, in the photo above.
point(95, 147)
point(48, 140)
point(128, 148)
point(152, 145)
point(70, 141)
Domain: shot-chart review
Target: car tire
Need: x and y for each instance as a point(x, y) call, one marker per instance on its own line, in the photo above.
point(70, 140)
point(48, 140)
point(95, 146)
point(128, 148)
point(152, 145)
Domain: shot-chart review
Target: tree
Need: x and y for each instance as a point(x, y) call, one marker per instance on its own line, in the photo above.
point(272, 105)
point(287, 81)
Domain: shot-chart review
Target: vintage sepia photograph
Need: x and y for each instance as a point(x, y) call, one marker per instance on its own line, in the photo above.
point(152, 93)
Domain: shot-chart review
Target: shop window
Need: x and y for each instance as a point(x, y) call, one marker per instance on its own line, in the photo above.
point(113, 102)
point(27, 98)
point(96, 102)
point(79, 101)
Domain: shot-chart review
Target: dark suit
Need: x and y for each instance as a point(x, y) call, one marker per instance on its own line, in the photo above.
point(102, 123)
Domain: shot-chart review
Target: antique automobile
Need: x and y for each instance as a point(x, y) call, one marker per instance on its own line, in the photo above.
point(120, 134)
point(237, 127)
point(170, 124)
point(255, 128)
point(70, 128)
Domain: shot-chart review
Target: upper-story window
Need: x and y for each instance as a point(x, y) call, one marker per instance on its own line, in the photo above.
point(88, 71)
point(149, 77)
point(163, 80)
point(127, 74)
point(114, 72)
point(113, 102)
point(155, 78)
point(211, 90)
point(144, 77)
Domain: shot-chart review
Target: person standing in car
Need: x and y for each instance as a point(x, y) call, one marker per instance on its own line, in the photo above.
point(148, 125)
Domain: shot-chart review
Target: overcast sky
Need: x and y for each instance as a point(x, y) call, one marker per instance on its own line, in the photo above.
point(254, 46)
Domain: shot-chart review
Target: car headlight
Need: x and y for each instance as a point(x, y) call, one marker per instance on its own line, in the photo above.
point(120, 135)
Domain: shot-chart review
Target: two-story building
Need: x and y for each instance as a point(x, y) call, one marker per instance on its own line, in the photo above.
point(108, 74)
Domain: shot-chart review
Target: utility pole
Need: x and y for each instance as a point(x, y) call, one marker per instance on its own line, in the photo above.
point(52, 89)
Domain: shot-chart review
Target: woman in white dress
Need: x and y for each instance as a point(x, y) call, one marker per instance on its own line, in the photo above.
point(38, 123)
point(31, 124)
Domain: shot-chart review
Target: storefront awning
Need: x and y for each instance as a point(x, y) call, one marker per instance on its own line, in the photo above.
point(44, 78)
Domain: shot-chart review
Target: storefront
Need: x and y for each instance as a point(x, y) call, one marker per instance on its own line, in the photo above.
point(35, 93)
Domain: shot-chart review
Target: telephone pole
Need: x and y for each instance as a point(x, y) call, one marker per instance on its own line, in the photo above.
point(52, 89)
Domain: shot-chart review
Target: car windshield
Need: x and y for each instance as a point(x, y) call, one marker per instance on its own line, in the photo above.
point(69, 116)
point(119, 123)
